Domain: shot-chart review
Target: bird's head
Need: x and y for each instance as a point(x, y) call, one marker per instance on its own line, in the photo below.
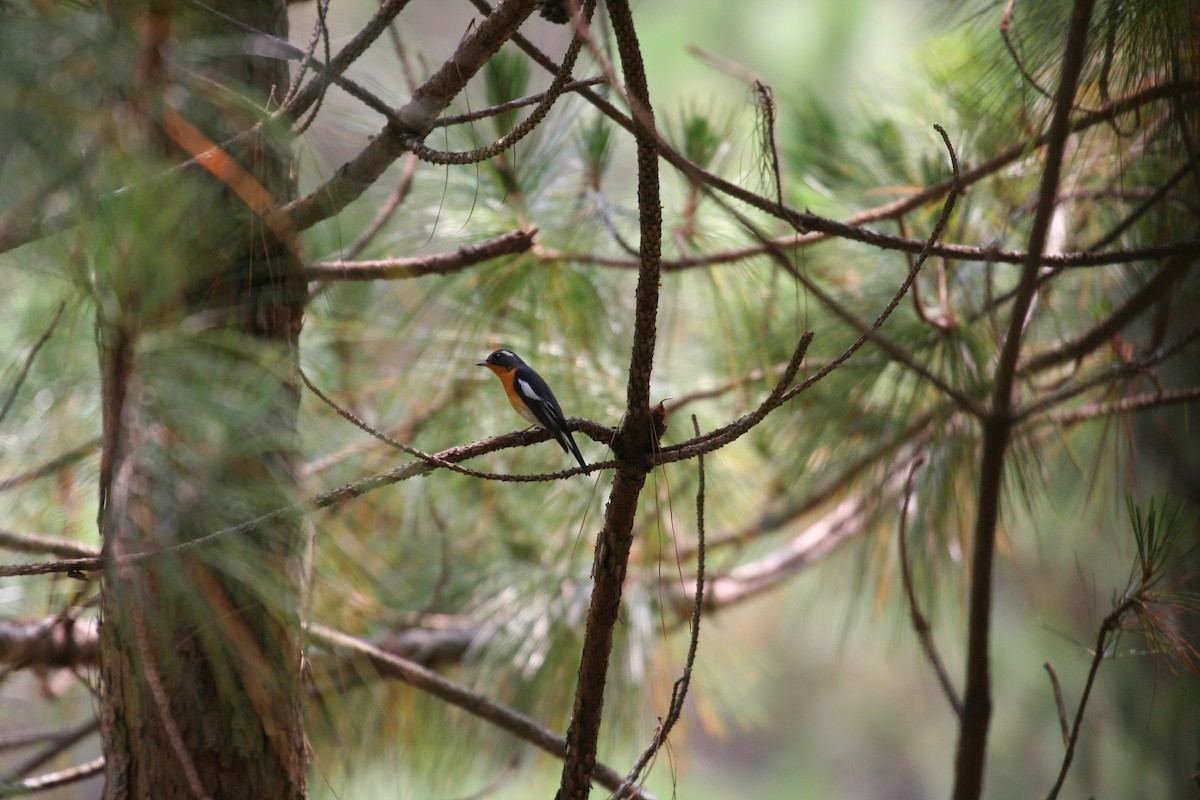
point(501, 360)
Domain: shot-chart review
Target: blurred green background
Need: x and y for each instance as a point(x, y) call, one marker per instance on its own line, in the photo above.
point(816, 689)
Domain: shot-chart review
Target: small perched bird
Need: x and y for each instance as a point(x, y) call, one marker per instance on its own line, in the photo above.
point(532, 398)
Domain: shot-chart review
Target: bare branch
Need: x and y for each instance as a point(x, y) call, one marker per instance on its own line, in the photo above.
point(478, 705)
point(521, 102)
point(638, 439)
point(49, 545)
point(49, 643)
point(12, 395)
point(1059, 704)
point(440, 264)
point(302, 100)
point(52, 466)
point(680, 689)
point(1138, 402)
point(64, 741)
point(53, 780)
point(1158, 285)
point(415, 119)
point(997, 426)
point(920, 623)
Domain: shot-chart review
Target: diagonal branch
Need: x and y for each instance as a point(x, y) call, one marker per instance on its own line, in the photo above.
point(478, 705)
point(415, 119)
point(12, 395)
point(1158, 285)
point(919, 621)
point(302, 100)
point(558, 87)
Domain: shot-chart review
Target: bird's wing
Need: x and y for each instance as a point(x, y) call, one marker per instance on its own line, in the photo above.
point(549, 414)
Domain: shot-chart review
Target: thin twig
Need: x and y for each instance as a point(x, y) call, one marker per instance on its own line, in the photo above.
point(300, 102)
point(398, 196)
point(29, 360)
point(63, 742)
point(920, 623)
point(1137, 402)
point(520, 102)
point(680, 689)
point(429, 458)
point(50, 545)
point(52, 466)
point(1110, 625)
point(526, 126)
point(439, 264)
point(53, 780)
point(1059, 704)
point(1005, 25)
point(414, 119)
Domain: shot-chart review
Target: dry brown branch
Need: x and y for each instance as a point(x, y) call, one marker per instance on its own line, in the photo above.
point(919, 621)
point(302, 100)
point(49, 545)
point(883, 241)
point(49, 643)
point(476, 704)
point(680, 688)
point(52, 466)
point(1059, 704)
point(520, 102)
point(64, 741)
point(439, 264)
point(997, 427)
point(53, 780)
point(33, 351)
point(1138, 402)
point(526, 126)
point(414, 120)
point(637, 440)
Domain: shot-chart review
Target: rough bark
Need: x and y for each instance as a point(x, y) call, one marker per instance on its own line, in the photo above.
point(200, 676)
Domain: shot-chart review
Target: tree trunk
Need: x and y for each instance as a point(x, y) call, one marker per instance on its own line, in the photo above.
point(200, 646)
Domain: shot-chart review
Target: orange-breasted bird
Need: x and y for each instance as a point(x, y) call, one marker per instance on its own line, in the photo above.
point(532, 398)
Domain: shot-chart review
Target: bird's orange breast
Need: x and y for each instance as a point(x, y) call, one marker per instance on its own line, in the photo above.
point(508, 377)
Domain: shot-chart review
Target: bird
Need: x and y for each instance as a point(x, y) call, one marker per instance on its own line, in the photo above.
point(532, 398)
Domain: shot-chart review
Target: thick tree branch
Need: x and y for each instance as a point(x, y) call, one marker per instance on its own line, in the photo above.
point(977, 697)
point(49, 643)
point(637, 439)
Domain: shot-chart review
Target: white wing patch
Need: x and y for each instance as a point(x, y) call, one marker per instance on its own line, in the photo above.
point(527, 391)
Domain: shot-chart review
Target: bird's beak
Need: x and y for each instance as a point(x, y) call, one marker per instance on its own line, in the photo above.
point(481, 363)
